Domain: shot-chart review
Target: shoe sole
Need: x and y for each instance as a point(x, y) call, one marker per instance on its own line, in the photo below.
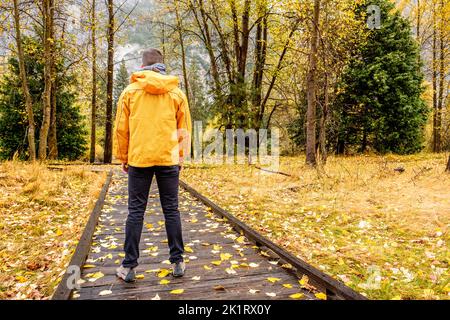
point(177, 275)
point(126, 279)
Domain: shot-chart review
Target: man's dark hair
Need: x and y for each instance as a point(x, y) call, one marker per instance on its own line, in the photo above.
point(151, 56)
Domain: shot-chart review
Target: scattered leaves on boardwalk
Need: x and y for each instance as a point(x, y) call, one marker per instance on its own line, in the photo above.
point(220, 263)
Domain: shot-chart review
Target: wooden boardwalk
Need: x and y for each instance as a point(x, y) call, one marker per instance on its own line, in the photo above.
point(221, 263)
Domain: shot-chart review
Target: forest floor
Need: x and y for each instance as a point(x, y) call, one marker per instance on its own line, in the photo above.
point(384, 233)
point(42, 215)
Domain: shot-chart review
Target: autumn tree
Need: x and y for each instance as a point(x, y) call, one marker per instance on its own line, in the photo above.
point(69, 124)
point(311, 88)
point(48, 40)
point(24, 82)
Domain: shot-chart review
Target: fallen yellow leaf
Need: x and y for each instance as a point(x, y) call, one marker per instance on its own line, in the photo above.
point(296, 296)
point(163, 273)
point(240, 239)
point(303, 281)
point(321, 296)
point(225, 256)
point(177, 291)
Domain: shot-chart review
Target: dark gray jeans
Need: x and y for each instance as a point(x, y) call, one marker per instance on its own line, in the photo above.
point(139, 182)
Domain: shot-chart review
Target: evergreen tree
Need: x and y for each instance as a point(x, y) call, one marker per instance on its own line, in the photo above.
point(380, 103)
point(121, 82)
point(71, 132)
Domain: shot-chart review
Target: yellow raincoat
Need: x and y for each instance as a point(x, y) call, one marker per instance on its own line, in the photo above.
point(153, 123)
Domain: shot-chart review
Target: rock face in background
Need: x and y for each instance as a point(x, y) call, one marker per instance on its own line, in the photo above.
point(145, 32)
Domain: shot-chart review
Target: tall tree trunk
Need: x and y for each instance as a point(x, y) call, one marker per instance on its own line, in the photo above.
point(418, 23)
point(163, 41)
point(260, 61)
point(323, 123)
point(48, 11)
point(183, 52)
point(109, 84)
point(52, 135)
point(25, 88)
point(311, 90)
point(440, 98)
point(436, 131)
point(240, 96)
point(94, 83)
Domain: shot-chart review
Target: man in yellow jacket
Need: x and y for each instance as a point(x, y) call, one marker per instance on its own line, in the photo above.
point(152, 137)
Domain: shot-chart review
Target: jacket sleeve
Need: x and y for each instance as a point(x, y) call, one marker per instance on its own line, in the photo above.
point(184, 127)
point(121, 129)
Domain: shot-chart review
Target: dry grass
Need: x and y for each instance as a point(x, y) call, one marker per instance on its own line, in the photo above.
point(384, 233)
point(42, 216)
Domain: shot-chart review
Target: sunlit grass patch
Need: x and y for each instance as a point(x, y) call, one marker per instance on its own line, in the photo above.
point(42, 215)
point(380, 231)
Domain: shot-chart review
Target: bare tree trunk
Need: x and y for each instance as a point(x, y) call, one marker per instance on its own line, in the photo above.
point(163, 41)
point(183, 53)
point(440, 101)
point(52, 135)
point(48, 11)
point(418, 22)
point(260, 61)
point(94, 83)
point(311, 90)
point(323, 122)
point(25, 88)
point(109, 84)
point(436, 131)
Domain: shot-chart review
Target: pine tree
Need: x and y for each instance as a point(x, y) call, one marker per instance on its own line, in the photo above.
point(380, 100)
point(71, 132)
point(121, 82)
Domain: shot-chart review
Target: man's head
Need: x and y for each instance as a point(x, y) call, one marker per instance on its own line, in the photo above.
point(151, 56)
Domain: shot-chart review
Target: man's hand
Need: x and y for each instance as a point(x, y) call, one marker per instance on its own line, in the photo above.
point(125, 167)
point(180, 163)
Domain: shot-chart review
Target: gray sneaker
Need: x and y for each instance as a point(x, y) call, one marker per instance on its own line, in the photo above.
point(126, 274)
point(178, 269)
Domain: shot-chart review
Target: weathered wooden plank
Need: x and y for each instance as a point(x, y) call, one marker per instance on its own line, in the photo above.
point(198, 289)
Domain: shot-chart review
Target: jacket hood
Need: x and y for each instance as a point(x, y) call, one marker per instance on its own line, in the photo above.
point(154, 82)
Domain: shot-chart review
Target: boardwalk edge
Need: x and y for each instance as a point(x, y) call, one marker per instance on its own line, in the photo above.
point(82, 250)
